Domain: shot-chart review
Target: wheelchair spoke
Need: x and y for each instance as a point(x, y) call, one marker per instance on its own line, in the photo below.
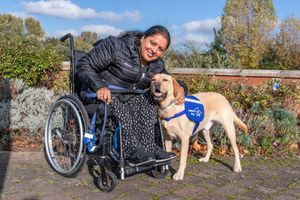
point(65, 127)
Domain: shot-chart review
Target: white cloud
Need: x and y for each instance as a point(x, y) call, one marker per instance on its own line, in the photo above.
point(65, 9)
point(199, 32)
point(130, 16)
point(206, 25)
point(197, 38)
point(63, 32)
point(22, 15)
point(102, 30)
point(69, 10)
point(182, 38)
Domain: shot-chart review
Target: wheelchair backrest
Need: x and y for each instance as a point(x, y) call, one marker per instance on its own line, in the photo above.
point(75, 56)
point(76, 83)
point(78, 54)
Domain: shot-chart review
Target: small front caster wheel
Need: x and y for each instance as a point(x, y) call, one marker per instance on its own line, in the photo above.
point(107, 183)
point(159, 172)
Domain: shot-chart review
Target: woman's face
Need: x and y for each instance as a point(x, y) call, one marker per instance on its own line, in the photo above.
point(152, 47)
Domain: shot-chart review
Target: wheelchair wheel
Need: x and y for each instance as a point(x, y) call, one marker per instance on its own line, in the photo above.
point(159, 172)
point(107, 184)
point(66, 124)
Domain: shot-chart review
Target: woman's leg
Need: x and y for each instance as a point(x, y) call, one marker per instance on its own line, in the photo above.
point(138, 116)
point(144, 120)
point(124, 114)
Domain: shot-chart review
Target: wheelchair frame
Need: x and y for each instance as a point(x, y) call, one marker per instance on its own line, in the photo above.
point(65, 150)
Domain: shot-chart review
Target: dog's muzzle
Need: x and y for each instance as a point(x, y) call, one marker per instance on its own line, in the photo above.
point(158, 95)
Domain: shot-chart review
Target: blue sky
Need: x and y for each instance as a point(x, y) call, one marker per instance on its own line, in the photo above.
point(187, 20)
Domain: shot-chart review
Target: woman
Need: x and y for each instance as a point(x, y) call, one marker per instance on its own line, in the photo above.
point(129, 61)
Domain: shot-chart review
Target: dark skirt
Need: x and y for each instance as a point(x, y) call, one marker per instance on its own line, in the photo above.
point(138, 115)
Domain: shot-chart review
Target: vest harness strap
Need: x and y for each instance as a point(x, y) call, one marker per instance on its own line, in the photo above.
point(193, 109)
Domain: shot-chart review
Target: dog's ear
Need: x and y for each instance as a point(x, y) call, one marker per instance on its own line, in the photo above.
point(175, 87)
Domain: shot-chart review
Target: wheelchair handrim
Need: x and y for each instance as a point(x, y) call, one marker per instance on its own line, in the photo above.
point(48, 141)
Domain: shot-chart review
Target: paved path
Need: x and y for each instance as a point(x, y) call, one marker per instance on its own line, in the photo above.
point(27, 176)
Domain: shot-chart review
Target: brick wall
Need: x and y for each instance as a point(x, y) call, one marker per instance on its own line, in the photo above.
point(253, 77)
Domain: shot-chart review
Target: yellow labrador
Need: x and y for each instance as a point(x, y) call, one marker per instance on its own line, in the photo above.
point(213, 108)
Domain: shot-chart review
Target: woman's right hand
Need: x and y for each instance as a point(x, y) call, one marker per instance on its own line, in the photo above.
point(104, 94)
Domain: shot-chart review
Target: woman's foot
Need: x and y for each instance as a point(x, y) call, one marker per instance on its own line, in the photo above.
point(162, 156)
point(142, 157)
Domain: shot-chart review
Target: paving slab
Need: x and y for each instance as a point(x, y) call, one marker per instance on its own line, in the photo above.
point(27, 176)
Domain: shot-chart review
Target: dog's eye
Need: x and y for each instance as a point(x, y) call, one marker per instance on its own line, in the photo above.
point(165, 79)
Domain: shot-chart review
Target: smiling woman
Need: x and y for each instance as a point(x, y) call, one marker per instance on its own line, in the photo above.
point(152, 47)
point(129, 62)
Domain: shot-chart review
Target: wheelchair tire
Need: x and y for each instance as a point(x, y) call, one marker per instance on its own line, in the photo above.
point(109, 184)
point(66, 124)
point(159, 172)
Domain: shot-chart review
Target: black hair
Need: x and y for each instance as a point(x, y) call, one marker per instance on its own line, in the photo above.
point(158, 29)
point(138, 34)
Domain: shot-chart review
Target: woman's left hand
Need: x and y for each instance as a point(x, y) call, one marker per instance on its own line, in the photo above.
point(179, 97)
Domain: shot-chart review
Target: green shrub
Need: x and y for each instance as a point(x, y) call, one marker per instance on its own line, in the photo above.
point(28, 110)
point(285, 122)
point(244, 140)
point(267, 144)
point(256, 98)
point(27, 59)
point(23, 113)
point(61, 84)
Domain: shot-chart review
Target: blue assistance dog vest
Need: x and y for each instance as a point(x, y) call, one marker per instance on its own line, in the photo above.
point(193, 109)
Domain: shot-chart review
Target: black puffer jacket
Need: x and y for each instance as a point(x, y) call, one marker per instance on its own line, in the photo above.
point(116, 61)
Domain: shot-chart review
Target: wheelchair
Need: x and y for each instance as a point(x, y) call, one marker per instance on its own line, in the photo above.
point(67, 123)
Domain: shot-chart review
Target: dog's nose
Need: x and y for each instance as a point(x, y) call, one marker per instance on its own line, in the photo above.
point(156, 83)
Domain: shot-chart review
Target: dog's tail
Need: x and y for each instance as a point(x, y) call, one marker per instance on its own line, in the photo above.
point(240, 124)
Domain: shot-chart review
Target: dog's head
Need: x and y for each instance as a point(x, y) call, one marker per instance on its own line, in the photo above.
point(163, 86)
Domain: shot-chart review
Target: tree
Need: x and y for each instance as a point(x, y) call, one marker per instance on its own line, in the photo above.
point(85, 41)
point(217, 51)
point(10, 26)
point(89, 37)
point(246, 27)
point(287, 45)
point(33, 27)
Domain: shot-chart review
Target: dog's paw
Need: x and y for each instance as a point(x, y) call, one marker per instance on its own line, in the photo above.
point(203, 159)
point(178, 176)
point(237, 169)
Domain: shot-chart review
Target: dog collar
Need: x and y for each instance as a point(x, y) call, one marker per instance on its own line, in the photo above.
point(171, 102)
point(175, 116)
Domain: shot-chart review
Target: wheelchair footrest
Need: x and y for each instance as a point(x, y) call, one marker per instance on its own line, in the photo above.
point(133, 169)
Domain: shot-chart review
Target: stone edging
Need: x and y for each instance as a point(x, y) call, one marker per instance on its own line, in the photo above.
point(239, 72)
point(225, 72)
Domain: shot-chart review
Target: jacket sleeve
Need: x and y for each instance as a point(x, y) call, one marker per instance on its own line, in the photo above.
point(91, 65)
